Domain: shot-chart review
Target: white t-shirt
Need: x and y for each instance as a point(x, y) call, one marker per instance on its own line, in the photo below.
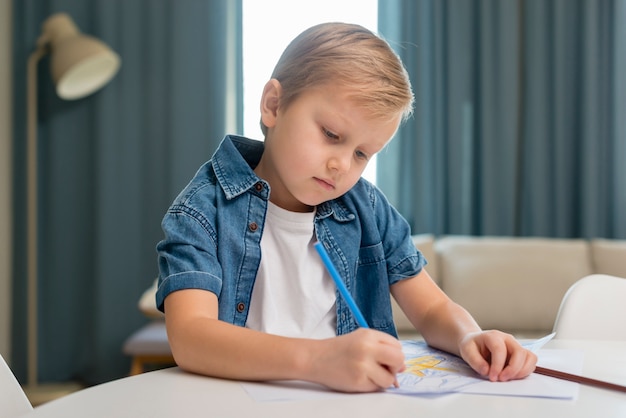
point(293, 294)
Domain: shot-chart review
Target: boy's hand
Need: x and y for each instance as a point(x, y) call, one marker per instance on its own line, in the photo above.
point(497, 356)
point(362, 361)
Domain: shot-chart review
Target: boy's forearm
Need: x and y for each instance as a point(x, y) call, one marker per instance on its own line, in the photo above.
point(446, 325)
point(214, 348)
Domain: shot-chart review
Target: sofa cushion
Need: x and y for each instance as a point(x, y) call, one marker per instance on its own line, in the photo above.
point(513, 284)
point(609, 257)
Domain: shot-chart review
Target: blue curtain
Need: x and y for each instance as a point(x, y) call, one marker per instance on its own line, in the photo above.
point(519, 124)
point(110, 165)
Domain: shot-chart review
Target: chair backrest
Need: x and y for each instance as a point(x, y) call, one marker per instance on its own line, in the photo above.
point(593, 308)
point(13, 400)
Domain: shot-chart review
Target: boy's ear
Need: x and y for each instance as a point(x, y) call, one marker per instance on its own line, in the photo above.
point(269, 102)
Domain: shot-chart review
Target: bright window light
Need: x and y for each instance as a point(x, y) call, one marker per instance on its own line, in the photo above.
point(269, 25)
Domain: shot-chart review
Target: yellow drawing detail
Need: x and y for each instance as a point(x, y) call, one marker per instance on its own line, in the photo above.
point(417, 364)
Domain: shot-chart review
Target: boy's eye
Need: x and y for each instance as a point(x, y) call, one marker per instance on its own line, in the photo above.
point(361, 155)
point(329, 134)
point(334, 137)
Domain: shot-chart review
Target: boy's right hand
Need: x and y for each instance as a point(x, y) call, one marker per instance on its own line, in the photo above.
point(362, 361)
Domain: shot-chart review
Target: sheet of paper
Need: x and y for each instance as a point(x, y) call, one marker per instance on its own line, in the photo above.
point(430, 371)
point(536, 345)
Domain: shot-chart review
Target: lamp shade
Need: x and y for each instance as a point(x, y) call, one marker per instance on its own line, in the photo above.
point(80, 64)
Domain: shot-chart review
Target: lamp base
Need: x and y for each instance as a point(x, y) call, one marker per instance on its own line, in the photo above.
point(45, 392)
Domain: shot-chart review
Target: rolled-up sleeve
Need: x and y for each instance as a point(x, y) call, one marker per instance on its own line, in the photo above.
point(187, 255)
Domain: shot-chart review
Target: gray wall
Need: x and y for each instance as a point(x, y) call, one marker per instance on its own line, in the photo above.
point(6, 177)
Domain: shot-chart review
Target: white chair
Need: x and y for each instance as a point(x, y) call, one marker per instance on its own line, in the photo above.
point(13, 400)
point(593, 308)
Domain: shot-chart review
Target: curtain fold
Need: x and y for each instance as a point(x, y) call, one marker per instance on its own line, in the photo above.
point(111, 164)
point(518, 125)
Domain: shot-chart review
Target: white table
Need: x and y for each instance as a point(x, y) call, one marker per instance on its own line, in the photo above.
point(174, 393)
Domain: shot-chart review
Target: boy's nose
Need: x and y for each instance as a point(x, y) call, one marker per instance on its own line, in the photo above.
point(340, 162)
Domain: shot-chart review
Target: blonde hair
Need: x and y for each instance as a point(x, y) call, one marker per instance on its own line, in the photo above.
point(349, 55)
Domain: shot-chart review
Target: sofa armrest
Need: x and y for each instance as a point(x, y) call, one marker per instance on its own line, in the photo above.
point(609, 257)
point(147, 302)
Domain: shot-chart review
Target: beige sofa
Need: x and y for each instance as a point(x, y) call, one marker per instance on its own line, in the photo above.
point(513, 284)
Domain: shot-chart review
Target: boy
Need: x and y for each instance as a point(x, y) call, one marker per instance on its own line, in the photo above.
point(244, 293)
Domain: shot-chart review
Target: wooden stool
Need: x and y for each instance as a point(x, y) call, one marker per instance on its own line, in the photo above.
point(149, 346)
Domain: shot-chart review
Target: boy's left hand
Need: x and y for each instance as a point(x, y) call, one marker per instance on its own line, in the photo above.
point(497, 356)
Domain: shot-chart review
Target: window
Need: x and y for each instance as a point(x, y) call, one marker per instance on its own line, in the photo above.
point(269, 25)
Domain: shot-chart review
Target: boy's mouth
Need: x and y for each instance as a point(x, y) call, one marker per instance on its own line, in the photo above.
point(326, 184)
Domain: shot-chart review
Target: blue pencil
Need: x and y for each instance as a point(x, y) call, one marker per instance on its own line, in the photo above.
point(343, 290)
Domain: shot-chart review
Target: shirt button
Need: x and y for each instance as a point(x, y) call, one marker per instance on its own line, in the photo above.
point(241, 307)
point(253, 226)
point(258, 186)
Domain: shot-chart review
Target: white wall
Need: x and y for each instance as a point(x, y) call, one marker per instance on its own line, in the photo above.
point(6, 176)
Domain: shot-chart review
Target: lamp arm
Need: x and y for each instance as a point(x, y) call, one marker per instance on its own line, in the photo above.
point(32, 227)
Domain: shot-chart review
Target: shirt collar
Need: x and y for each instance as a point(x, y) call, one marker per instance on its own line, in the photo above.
point(234, 163)
point(336, 208)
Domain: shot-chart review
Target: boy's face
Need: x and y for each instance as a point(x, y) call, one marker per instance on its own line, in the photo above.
point(317, 148)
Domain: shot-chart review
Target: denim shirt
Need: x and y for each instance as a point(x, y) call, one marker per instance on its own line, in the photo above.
point(213, 233)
